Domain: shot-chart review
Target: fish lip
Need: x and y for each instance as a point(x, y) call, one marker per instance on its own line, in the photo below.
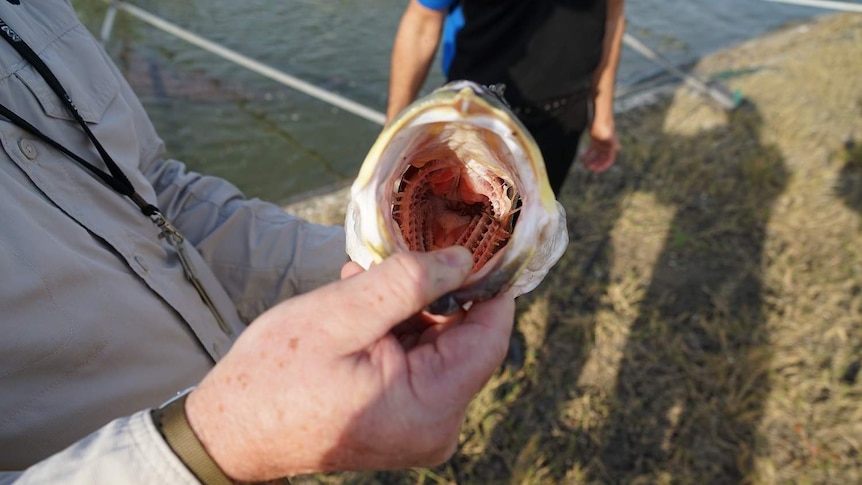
point(492, 284)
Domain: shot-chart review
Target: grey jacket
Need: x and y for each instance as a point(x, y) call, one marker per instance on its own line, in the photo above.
point(98, 321)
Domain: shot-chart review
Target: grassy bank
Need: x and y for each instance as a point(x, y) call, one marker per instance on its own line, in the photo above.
point(705, 324)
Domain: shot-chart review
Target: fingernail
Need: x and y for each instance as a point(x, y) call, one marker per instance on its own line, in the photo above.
point(454, 256)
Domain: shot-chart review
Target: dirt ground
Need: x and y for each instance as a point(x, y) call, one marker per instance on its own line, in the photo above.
point(705, 323)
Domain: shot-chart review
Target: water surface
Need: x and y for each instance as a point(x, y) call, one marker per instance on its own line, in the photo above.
point(276, 143)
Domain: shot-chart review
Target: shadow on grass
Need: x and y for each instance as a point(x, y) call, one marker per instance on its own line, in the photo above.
point(693, 375)
point(850, 184)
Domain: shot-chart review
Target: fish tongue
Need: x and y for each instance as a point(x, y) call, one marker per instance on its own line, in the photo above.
point(448, 228)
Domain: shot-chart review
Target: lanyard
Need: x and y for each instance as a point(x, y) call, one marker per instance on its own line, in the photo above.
point(114, 178)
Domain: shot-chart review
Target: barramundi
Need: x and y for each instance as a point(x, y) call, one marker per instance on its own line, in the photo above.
point(458, 167)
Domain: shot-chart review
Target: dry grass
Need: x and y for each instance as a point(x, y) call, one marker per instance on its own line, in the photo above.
point(705, 324)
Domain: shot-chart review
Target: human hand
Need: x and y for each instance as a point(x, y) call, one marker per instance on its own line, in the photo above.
point(353, 376)
point(602, 150)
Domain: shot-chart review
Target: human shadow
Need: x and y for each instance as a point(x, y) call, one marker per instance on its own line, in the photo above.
point(694, 372)
point(692, 377)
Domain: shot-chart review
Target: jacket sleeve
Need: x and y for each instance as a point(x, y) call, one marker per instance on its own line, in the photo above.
point(259, 253)
point(127, 450)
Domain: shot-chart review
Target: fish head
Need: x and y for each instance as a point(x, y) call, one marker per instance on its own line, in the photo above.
point(458, 167)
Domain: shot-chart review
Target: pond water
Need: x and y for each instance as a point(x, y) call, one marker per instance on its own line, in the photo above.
point(276, 143)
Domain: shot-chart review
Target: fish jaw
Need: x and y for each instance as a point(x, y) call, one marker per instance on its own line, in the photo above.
point(462, 123)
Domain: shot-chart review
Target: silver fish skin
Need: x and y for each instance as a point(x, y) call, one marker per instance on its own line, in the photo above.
point(467, 134)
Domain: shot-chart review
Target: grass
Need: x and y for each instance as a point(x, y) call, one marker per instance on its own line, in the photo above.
point(705, 324)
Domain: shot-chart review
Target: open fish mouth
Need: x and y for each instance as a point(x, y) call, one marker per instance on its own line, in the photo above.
point(456, 167)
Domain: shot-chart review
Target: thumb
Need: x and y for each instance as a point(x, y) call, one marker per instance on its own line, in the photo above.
point(366, 306)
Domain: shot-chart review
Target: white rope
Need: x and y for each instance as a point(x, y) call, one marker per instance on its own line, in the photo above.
point(827, 4)
point(108, 23)
point(258, 67)
point(716, 92)
point(363, 111)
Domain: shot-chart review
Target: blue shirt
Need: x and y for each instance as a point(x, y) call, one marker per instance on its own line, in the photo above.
point(454, 22)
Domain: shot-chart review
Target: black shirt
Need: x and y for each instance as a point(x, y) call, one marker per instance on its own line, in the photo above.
point(541, 49)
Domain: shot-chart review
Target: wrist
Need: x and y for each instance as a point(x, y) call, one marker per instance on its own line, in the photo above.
point(171, 421)
point(222, 443)
point(215, 432)
point(602, 127)
point(224, 434)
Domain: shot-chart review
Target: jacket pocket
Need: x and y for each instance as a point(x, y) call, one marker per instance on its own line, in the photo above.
point(73, 56)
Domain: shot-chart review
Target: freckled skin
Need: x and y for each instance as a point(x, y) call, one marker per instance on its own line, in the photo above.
point(243, 381)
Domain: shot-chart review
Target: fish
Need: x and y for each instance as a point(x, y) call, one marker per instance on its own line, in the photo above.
point(457, 167)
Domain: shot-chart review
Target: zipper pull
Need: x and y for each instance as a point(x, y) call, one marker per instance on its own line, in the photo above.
point(176, 240)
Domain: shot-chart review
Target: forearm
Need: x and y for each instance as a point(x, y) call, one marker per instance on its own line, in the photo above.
point(260, 254)
point(412, 53)
point(604, 79)
point(128, 450)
